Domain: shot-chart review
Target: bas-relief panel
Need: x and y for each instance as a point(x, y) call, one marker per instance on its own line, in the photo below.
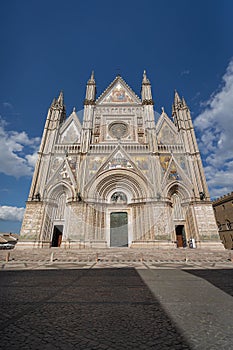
point(70, 135)
point(100, 111)
point(167, 136)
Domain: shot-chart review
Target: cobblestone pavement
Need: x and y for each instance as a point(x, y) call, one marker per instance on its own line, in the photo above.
point(134, 307)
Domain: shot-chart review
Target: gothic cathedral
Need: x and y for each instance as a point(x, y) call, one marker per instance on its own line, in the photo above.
point(122, 178)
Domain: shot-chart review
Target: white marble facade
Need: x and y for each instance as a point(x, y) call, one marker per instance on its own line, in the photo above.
point(119, 178)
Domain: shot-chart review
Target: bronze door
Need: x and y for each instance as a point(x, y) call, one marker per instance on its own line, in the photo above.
point(119, 229)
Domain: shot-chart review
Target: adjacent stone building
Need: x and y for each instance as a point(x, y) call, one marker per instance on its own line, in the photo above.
point(121, 178)
point(223, 209)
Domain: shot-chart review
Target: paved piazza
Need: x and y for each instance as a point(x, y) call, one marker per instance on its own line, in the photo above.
point(117, 304)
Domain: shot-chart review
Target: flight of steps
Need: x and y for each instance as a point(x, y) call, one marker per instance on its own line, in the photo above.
point(115, 255)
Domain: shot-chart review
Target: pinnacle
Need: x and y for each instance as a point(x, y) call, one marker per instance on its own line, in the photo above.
point(184, 102)
point(176, 98)
point(60, 99)
point(92, 78)
point(145, 80)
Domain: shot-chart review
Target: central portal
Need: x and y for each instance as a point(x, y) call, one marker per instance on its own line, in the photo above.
point(119, 229)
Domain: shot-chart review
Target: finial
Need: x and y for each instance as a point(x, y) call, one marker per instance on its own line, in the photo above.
point(145, 80)
point(92, 78)
point(92, 75)
point(162, 110)
point(74, 110)
point(60, 98)
point(176, 97)
point(184, 102)
point(53, 102)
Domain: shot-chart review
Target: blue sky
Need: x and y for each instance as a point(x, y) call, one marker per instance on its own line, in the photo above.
point(48, 46)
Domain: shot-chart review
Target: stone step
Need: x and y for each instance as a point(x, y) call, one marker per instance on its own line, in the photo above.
point(121, 254)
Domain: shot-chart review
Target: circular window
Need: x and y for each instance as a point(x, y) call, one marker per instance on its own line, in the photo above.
point(118, 129)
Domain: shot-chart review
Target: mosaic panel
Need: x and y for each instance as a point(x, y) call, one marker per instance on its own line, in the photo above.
point(166, 135)
point(70, 135)
point(118, 94)
point(94, 164)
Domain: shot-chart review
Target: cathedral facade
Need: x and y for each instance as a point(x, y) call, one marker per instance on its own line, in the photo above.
point(121, 178)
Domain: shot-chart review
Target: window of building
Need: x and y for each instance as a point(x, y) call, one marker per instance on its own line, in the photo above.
point(228, 225)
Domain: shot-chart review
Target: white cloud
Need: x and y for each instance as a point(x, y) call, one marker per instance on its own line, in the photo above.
point(185, 72)
point(8, 213)
point(17, 152)
point(32, 158)
point(7, 105)
point(215, 124)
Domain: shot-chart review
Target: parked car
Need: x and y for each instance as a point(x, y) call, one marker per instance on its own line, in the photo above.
point(6, 246)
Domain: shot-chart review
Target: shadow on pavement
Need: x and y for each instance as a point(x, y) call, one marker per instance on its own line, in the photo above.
point(220, 278)
point(83, 309)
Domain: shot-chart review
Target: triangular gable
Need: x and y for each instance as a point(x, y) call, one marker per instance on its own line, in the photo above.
point(63, 173)
point(118, 92)
point(119, 159)
point(71, 130)
point(174, 173)
point(166, 131)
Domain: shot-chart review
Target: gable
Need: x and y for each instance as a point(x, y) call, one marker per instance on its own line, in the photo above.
point(71, 134)
point(172, 171)
point(71, 130)
point(118, 160)
point(167, 133)
point(64, 172)
point(118, 92)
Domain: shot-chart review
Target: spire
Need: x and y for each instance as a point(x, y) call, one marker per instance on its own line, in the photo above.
point(146, 90)
point(92, 79)
point(60, 99)
point(176, 98)
point(184, 103)
point(53, 102)
point(90, 90)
